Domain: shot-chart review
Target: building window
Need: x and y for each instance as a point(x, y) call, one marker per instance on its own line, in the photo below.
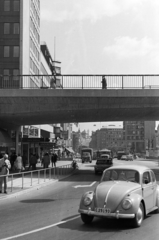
point(6, 74)
point(15, 74)
point(6, 28)
point(6, 5)
point(16, 28)
point(16, 5)
point(6, 51)
point(16, 51)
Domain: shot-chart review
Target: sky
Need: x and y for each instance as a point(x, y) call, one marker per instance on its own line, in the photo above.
point(102, 36)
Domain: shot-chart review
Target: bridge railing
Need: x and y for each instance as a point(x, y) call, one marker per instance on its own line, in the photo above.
point(79, 82)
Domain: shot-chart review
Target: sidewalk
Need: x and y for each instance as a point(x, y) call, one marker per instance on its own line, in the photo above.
point(25, 181)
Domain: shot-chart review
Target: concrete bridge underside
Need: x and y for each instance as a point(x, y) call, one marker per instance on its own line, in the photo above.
point(47, 106)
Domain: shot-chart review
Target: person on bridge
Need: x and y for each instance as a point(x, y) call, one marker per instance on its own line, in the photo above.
point(104, 83)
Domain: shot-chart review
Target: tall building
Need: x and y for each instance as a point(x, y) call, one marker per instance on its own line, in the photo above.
point(138, 135)
point(20, 40)
point(21, 53)
point(111, 138)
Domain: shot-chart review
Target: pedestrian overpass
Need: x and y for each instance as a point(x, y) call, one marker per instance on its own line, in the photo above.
point(79, 99)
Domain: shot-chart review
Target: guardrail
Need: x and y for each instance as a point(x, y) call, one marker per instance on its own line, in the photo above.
point(29, 178)
point(79, 81)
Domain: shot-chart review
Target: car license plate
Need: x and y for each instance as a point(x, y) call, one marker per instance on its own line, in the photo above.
point(103, 210)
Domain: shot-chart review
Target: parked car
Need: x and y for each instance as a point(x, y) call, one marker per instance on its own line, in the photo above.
point(128, 192)
point(103, 162)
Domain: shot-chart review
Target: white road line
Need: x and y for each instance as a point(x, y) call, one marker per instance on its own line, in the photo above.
point(78, 186)
point(39, 229)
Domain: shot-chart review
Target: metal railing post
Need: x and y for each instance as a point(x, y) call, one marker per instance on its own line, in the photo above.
point(31, 178)
point(44, 175)
point(122, 82)
point(22, 180)
point(12, 183)
point(38, 177)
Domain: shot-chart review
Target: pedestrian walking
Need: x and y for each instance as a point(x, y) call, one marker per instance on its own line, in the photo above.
point(18, 164)
point(104, 83)
point(24, 159)
point(13, 157)
point(32, 162)
point(46, 160)
point(54, 159)
point(4, 170)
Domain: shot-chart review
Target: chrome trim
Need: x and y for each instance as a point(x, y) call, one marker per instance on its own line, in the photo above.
point(106, 198)
point(116, 215)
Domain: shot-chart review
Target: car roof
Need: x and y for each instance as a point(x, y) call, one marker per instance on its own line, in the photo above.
point(131, 167)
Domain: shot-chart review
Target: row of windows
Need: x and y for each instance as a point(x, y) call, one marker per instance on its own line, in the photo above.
point(34, 48)
point(135, 137)
point(34, 29)
point(11, 28)
point(34, 67)
point(35, 13)
point(11, 51)
point(9, 7)
point(135, 133)
point(10, 72)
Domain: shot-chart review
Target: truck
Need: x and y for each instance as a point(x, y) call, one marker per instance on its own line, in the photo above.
point(87, 154)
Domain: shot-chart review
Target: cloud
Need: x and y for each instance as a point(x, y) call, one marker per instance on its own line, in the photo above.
point(126, 47)
point(59, 10)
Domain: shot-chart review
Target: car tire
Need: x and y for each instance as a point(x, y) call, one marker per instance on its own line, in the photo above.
point(86, 218)
point(139, 216)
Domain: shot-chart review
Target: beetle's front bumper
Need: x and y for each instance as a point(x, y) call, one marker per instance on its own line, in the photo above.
point(116, 214)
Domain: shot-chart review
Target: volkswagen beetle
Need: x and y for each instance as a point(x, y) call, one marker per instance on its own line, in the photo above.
point(129, 192)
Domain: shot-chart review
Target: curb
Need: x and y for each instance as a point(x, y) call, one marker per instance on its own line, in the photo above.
point(37, 187)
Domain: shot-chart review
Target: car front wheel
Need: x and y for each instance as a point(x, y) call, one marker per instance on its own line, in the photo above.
point(86, 218)
point(139, 216)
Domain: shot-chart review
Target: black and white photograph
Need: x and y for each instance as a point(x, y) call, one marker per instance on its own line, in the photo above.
point(79, 119)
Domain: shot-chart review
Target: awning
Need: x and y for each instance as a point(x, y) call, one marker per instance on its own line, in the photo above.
point(5, 140)
point(69, 150)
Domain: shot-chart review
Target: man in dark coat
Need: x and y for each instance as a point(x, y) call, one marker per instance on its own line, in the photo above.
point(104, 83)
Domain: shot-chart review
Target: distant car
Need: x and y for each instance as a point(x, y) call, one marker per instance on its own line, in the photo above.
point(128, 192)
point(103, 162)
point(124, 157)
point(127, 157)
point(130, 157)
point(86, 157)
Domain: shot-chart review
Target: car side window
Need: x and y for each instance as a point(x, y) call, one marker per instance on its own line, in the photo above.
point(146, 178)
point(153, 176)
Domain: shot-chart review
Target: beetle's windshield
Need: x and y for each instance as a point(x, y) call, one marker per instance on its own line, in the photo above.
point(121, 175)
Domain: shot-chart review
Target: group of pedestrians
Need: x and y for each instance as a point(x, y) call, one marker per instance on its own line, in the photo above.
point(18, 163)
point(46, 159)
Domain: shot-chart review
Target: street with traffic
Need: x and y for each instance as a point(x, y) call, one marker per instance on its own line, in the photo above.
point(51, 212)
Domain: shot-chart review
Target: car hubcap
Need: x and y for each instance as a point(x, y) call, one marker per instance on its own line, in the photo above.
point(139, 216)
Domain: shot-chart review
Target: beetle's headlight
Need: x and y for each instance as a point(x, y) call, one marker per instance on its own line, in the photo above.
point(87, 200)
point(126, 204)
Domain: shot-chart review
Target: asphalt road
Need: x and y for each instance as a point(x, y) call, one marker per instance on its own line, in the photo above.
point(52, 213)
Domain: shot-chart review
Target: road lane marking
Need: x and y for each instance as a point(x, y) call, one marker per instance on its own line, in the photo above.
point(78, 186)
point(39, 229)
